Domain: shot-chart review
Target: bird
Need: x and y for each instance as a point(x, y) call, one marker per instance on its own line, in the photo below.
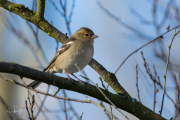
point(78, 49)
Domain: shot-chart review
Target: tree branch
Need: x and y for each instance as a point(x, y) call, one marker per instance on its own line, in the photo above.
point(40, 9)
point(128, 104)
point(108, 77)
point(30, 16)
point(167, 63)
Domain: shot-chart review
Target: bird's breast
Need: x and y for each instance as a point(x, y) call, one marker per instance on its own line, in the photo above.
point(80, 54)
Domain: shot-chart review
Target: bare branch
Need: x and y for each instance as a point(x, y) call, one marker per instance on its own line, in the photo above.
point(30, 15)
point(43, 93)
point(42, 103)
point(154, 79)
point(128, 104)
point(155, 91)
point(28, 110)
point(40, 9)
point(164, 90)
point(101, 107)
point(118, 19)
point(161, 36)
point(137, 83)
point(65, 112)
point(103, 95)
point(108, 77)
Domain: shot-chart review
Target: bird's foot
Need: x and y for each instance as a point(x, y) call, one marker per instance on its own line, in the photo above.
point(70, 79)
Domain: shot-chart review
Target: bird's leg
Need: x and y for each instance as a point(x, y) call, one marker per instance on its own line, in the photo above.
point(78, 79)
point(67, 76)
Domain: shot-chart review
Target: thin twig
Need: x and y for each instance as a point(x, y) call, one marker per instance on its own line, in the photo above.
point(177, 95)
point(64, 13)
point(102, 108)
point(102, 83)
point(57, 91)
point(28, 110)
point(59, 11)
point(20, 34)
point(43, 101)
point(118, 19)
point(96, 86)
point(155, 91)
point(137, 83)
point(167, 63)
point(106, 88)
point(31, 106)
point(81, 116)
point(6, 107)
point(153, 78)
point(142, 19)
point(111, 112)
point(164, 19)
point(37, 91)
point(161, 36)
point(29, 93)
point(154, 96)
point(72, 9)
point(102, 93)
point(65, 112)
point(40, 48)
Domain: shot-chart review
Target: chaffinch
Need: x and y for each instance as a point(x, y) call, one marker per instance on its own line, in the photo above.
point(78, 49)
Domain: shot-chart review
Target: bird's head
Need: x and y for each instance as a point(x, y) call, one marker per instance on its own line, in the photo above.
point(85, 34)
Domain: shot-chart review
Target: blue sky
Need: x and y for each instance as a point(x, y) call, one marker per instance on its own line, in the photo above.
point(114, 44)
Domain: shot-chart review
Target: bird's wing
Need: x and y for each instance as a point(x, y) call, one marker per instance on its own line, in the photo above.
point(63, 48)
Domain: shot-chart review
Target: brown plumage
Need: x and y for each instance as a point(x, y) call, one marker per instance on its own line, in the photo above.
point(78, 49)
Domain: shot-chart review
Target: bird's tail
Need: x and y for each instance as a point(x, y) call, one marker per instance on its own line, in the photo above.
point(35, 84)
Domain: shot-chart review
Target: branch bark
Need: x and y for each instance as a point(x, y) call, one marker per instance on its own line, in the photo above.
point(128, 104)
point(40, 10)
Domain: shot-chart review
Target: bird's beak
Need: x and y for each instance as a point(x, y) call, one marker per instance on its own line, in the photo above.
point(94, 36)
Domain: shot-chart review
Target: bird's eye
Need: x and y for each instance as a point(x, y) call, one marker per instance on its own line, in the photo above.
point(86, 34)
